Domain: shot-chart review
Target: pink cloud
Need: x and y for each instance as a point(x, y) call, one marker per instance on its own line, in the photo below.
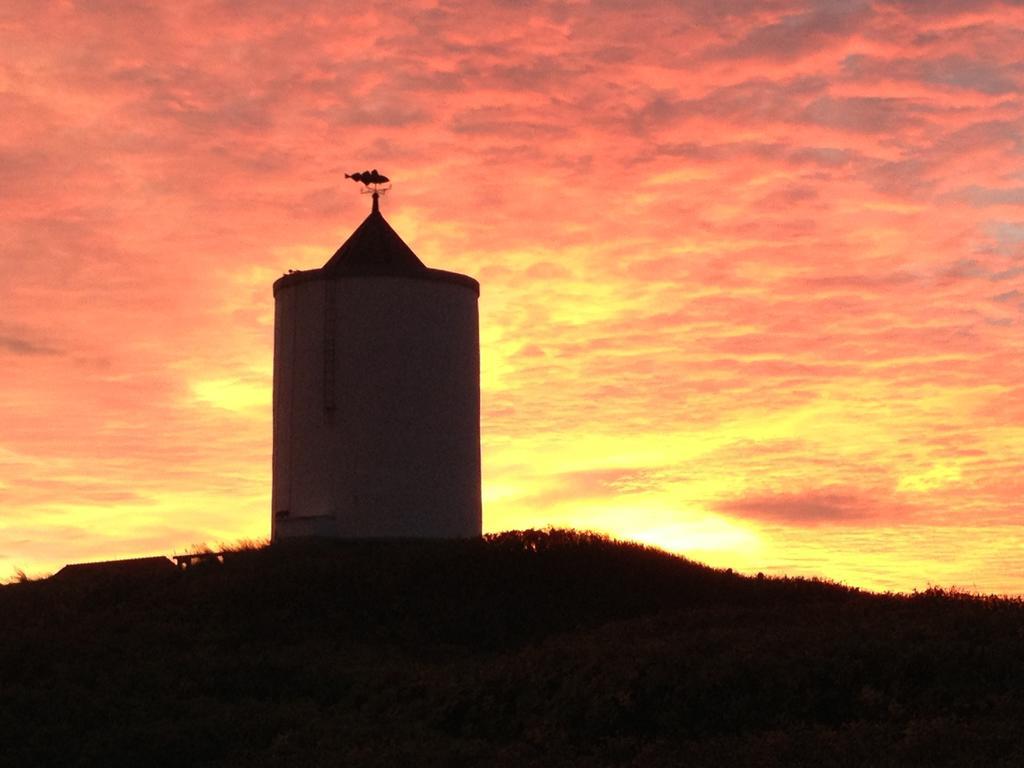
point(815, 507)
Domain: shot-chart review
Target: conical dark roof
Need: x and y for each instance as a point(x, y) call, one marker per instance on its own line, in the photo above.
point(374, 249)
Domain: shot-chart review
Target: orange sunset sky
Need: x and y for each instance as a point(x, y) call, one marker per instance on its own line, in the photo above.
point(752, 271)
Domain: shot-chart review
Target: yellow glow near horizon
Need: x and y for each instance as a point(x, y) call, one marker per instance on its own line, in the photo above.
point(937, 476)
point(232, 394)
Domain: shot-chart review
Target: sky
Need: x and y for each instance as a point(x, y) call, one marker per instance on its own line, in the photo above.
point(752, 271)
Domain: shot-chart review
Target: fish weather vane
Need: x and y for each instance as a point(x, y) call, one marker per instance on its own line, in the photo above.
point(372, 182)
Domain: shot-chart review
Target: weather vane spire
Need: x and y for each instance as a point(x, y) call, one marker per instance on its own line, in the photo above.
point(372, 182)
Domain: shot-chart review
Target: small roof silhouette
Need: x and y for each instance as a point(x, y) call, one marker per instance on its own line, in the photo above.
point(129, 567)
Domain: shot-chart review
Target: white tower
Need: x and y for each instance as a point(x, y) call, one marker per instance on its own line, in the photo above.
point(376, 395)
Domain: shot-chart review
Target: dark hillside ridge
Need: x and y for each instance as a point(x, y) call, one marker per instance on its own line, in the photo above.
point(531, 648)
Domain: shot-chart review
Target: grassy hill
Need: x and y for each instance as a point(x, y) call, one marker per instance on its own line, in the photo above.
point(537, 648)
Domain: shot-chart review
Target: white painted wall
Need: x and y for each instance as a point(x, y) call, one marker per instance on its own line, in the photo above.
point(383, 441)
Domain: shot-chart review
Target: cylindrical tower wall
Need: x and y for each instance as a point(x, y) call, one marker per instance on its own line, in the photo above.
point(376, 407)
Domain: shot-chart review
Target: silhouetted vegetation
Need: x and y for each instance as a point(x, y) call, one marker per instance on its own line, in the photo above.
point(536, 648)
